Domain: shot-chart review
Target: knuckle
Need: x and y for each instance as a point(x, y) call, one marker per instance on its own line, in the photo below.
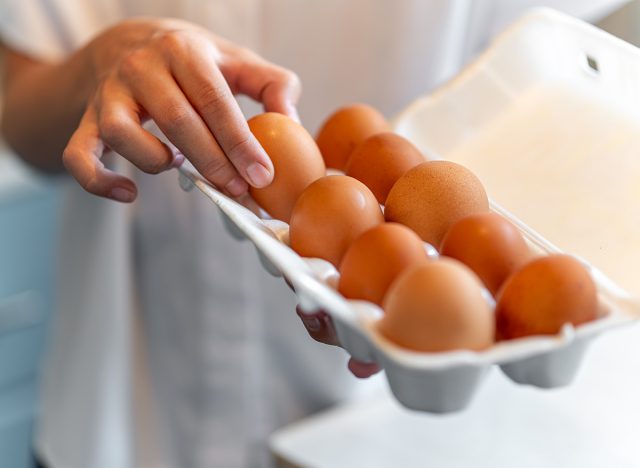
point(68, 157)
point(287, 79)
point(291, 78)
point(92, 186)
point(173, 41)
point(134, 64)
point(112, 130)
point(211, 98)
point(116, 134)
point(216, 169)
point(247, 55)
point(154, 165)
point(176, 116)
point(239, 148)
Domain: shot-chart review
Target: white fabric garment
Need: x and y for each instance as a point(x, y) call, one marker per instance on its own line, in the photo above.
point(171, 347)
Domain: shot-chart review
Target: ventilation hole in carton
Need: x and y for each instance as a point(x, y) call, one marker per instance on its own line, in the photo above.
point(592, 63)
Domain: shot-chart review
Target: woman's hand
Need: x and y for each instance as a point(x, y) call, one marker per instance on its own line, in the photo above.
point(320, 327)
point(184, 78)
point(175, 73)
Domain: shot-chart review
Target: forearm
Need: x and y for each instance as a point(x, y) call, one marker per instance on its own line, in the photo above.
point(43, 104)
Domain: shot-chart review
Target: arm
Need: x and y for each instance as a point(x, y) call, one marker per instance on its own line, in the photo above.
point(179, 75)
point(36, 121)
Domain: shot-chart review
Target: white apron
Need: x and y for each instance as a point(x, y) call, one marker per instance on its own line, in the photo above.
point(171, 347)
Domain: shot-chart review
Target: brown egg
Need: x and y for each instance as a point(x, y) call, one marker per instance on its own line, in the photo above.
point(296, 160)
point(380, 160)
point(376, 258)
point(544, 295)
point(437, 306)
point(345, 129)
point(488, 244)
point(329, 215)
point(432, 196)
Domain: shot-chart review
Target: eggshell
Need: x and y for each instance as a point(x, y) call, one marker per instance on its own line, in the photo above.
point(376, 258)
point(489, 244)
point(329, 215)
point(380, 160)
point(345, 129)
point(296, 160)
point(545, 294)
point(437, 306)
point(432, 196)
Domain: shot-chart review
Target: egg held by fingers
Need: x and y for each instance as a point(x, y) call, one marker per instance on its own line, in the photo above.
point(296, 160)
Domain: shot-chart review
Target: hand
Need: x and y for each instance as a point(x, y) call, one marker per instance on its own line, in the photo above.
point(184, 78)
point(320, 327)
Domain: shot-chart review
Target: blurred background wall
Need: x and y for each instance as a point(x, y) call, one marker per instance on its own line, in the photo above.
point(624, 23)
point(28, 228)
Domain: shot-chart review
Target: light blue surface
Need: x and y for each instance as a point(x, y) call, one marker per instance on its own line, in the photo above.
point(22, 319)
point(27, 239)
point(16, 424)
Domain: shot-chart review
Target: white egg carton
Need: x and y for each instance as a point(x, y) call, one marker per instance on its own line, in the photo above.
point(544, 46)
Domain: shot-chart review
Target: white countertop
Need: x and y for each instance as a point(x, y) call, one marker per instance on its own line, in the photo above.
point(593, 423)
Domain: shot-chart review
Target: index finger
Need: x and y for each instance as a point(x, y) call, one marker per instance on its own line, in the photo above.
point(204, 85)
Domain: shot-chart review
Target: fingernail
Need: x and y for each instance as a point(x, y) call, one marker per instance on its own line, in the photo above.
point(178, 159)
point(122, 195)
point(236, 187)
point(259, 175)
point(293, 112)
point(312, 323)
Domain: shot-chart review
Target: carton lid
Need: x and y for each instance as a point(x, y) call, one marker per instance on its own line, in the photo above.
point(548, 119)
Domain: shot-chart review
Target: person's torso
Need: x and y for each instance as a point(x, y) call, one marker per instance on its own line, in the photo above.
point(191, 352)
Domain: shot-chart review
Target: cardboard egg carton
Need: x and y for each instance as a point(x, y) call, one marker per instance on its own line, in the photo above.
point(498, 104)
